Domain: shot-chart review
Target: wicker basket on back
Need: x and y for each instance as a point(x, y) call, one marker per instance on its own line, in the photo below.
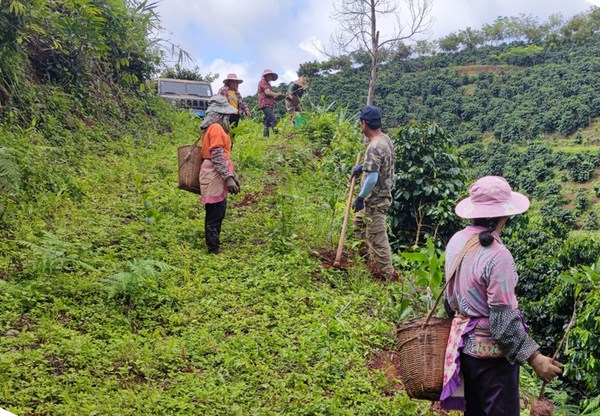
point(422, 346)
point(421, 349)
point(189, 162)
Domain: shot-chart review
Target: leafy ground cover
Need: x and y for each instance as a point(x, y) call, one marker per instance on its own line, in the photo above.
point(110, 304)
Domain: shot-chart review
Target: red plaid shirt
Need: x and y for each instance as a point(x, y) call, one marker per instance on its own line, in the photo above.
point(242, 107)
point(263, 99)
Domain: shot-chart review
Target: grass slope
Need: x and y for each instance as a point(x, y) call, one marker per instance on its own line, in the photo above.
point(109, 304)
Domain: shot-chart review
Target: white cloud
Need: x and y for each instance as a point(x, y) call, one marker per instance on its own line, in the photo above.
point(288, 76)
point(314, 47)
point(221, 67)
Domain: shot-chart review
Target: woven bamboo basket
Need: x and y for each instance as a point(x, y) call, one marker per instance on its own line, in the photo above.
point(189, 168)
point(422, 344)
point(421, 350)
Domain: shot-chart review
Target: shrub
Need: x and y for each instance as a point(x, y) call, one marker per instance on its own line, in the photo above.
point(429, 180)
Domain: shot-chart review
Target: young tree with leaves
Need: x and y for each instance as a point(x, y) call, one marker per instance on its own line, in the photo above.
point(429, 179)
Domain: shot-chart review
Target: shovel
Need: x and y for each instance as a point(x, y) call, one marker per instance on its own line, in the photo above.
point(340, 249)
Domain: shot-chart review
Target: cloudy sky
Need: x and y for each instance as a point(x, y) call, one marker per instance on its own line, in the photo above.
point(247, 36)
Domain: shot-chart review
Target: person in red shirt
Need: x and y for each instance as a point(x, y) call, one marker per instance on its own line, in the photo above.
point(266, 100)
point(217, 175)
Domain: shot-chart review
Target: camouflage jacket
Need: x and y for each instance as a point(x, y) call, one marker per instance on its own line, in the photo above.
point(380, 157)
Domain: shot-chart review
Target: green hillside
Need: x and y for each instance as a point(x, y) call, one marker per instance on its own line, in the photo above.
point(111, 306)
point(510, 87)
point(513, 84)
point(109, 303)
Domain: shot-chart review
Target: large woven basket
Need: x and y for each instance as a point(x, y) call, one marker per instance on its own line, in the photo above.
point(189, 161)
point(421, 350)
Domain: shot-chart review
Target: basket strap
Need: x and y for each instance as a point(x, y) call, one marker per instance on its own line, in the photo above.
point(472, 242)
point(189, 155)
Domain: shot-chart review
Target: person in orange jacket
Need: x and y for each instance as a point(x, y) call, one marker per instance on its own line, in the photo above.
point(217, 174)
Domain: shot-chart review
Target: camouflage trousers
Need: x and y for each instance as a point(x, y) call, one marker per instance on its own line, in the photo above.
point(370, 226)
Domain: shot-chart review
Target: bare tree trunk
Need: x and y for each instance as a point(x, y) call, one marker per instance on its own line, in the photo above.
point(372, 76)
point(374, 53)
point(358, 31)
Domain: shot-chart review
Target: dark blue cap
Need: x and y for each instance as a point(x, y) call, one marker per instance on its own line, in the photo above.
point(371, 115)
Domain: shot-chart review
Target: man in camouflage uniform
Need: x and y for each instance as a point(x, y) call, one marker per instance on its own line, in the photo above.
point(375, 196)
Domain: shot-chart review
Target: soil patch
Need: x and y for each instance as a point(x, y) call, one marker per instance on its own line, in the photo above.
point(388, 362)
point(63, 317)
point(541, 407)
point(25, 322)
point(250, 199)
point(376, 274)
point(327, 258)
point(477, 69)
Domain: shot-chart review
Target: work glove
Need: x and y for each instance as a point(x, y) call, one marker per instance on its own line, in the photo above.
point(357, 170)
point(359, 203)
point(237, 182)
point(545, 367)
point(232, 186)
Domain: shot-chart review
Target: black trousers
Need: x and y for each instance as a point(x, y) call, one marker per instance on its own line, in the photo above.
point(212, 224)
point(491, 386)
point(270, 120)
point(234, 119)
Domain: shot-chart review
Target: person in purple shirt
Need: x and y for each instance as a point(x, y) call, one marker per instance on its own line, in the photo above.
point(489, 339)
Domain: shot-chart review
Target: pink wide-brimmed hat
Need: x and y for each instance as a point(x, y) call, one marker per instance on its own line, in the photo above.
point(268, 71)
point(491, 197)
point(234, 78)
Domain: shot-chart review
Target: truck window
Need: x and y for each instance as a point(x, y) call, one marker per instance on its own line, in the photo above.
point(168, 87)
point(184, 88)
point(198, 89)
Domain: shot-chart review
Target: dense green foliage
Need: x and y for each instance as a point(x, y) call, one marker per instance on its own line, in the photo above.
point(79, 55)
point(109, 304)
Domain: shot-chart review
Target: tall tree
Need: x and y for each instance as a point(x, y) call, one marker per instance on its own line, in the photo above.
point(359, 22)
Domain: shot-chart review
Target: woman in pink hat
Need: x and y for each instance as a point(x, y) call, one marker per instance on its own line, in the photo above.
point(230, 91)
point(266, 100)
point(489, 339)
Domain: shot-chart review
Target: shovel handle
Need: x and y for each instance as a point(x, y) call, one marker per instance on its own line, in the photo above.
point(340, 249)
